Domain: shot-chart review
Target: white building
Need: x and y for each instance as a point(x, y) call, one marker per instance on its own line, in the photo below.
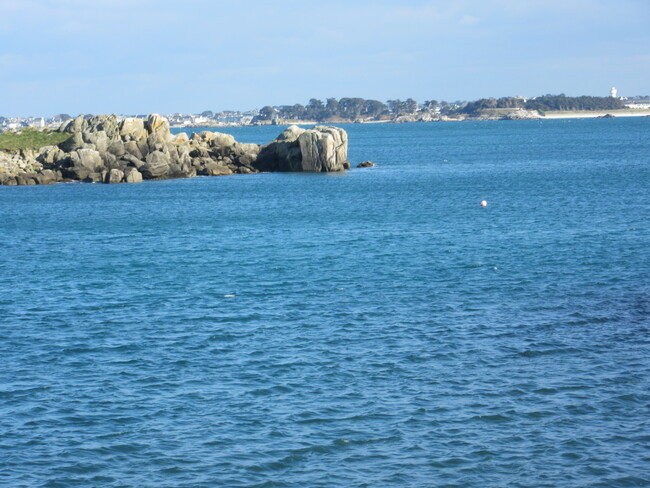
point(612, 92)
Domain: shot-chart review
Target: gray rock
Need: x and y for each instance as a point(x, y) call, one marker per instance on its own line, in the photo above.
point(116, 148)
point(323, 149)
point(7, 180)
point(73, 142)
point(215, 169)
point(108, 159)
point(77, 173)
point(102, 123)
point(47, 177)
point(87, 158)
point(199, 152)
point(157, 166)
point(143, 147)
point(157, 124)
point(73, 125)
point(93, 178)
point(114, 176)
point(132, 175)
point(132, 148)
point(366, 164)
point(290, 134)
point(131, 129)
point(21, 179)
point(130, 160)
point(181, 138)
point(318, 149)
point(219, 139)
point(50, 155)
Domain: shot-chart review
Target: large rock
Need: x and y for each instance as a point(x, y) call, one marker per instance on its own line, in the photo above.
point(50, 155)
point(157, 166)
point(7, 179)
point(318, 149)
point(75, 141)
point(181, 138)
point(132, 148)
point(219, 139)
point(156, 123)
point(46, 177)
point(132, 175)
point(73, 125)
point(87, 158)
point(130, 160)
point(290, 134)
point(324, 149)
point(114, 176)
point(132, 129)
point(107, 124)
point(77, 173)
point(215, 169)
point(116, 149)
point(98, 138)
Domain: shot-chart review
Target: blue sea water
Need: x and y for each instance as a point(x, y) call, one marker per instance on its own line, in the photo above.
point(377, 328)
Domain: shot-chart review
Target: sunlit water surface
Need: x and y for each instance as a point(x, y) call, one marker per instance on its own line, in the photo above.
point(377, 328)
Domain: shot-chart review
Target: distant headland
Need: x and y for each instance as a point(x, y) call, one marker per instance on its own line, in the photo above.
point(360, 110)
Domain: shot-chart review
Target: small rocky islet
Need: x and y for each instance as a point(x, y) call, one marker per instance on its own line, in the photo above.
point(105, 149)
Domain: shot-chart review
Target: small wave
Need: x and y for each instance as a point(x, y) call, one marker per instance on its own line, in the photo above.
point(492, 418)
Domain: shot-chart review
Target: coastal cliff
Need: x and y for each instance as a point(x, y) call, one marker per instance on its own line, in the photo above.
point(107, 150)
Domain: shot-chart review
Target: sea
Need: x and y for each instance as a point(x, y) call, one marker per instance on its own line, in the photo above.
point(373, 328)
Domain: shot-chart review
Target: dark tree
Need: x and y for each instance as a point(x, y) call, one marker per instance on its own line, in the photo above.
point(410, 106)
point(373, 108)
point(266, 113)
point(396, 106)
point(332, 107)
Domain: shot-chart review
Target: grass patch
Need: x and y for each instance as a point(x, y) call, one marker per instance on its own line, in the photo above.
point(30, 138)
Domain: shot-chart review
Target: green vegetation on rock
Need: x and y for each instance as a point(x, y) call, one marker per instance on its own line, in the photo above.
point(30, 138)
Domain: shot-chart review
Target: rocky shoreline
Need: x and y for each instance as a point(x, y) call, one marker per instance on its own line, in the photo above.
point(103, 149)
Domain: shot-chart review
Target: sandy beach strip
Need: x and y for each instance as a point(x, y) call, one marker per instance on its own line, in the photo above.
point(593, 114)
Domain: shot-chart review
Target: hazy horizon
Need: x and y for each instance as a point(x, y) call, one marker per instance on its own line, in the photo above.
point(144, 56)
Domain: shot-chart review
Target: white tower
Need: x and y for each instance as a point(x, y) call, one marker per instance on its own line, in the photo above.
point(612, 92)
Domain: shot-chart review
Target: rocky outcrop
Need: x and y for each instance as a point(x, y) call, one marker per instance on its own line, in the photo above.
point(366, 164)
point(105, 149)
point(320, 149)
point(521, 114)
point(420, 116)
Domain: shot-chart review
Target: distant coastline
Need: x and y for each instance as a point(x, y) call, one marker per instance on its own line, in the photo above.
point(486, 116)
point(349, 110)
point(584, 114)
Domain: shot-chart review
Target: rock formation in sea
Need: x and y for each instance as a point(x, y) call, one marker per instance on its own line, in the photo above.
point(366, 164)
point(319, 149)
point(105, 149)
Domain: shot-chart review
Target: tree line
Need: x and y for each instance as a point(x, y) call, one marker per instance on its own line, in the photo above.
point(345, 108)
point(351, 109)
point(545, 103)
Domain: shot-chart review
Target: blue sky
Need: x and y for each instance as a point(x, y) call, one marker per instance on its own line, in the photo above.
point(142, 56)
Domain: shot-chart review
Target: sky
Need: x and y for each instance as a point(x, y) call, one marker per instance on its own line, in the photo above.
point(144, 56)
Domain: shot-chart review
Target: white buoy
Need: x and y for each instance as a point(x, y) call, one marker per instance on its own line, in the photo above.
point(483, 203)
